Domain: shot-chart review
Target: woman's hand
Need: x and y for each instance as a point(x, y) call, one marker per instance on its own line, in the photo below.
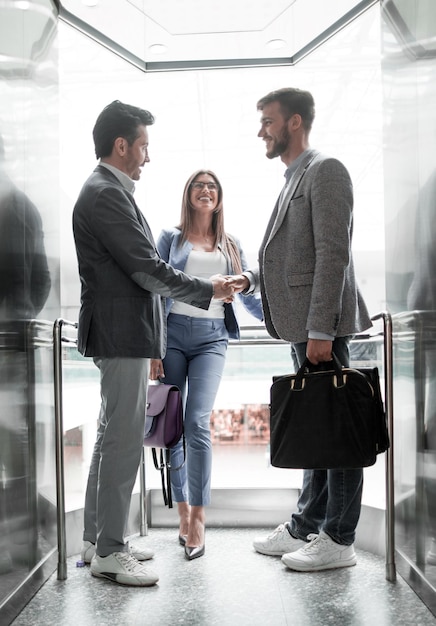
point(221, 288)
point(238, 282)
point(156, 369)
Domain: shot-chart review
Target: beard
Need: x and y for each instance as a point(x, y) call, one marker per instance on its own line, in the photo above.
point(279, 145)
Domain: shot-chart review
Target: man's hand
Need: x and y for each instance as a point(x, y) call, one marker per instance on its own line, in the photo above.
point(156, 369)
point(238, 282)
point(222, 289)
point(319, 350)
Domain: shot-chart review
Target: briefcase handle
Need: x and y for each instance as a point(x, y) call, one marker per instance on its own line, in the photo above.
point(326, 366)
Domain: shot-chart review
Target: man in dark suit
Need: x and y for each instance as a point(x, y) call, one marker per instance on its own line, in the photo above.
point(24, 274)
point(310, 298)
point(24, 289)
point(121, 325)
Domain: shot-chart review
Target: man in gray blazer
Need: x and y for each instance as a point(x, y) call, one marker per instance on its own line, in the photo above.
point(310, 298)
point(121, 325)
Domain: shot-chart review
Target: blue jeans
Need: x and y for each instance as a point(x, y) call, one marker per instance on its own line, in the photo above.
point(195, 358)
point(330, 499)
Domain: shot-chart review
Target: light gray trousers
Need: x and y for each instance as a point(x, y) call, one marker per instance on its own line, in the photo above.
point(117, 451)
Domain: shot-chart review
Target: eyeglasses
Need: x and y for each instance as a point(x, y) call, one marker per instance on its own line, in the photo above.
point(199, 185)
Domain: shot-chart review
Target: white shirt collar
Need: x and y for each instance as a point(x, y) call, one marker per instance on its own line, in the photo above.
point(125, 180)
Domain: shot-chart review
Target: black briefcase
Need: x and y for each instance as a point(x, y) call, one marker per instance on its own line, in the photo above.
point(328, 418)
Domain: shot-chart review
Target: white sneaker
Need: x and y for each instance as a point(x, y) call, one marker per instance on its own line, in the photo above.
point(140, 554)
point(431, 554)
point(5, 562)
point(319, 554)
point(279, 542)
point(124, 569)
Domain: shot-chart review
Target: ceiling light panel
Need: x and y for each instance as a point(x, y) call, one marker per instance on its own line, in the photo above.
point(199, 30)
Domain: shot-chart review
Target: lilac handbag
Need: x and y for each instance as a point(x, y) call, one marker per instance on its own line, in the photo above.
point(164, 416)
point(163, 429)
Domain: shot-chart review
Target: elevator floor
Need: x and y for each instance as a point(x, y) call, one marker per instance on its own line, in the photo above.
point(231, 585)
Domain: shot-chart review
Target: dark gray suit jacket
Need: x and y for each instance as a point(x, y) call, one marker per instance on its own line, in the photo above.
point(24, 274)
point(122, 275)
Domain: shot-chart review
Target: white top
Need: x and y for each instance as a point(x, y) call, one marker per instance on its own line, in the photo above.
point(203, 265)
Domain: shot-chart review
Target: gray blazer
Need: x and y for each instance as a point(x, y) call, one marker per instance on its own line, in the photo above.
point(306, 273)
point(122, 275)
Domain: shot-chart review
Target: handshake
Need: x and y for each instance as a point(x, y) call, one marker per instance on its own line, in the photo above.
point(224, 287)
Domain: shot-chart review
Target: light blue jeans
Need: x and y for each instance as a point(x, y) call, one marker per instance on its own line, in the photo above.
point(195, 358)
point(330, 499)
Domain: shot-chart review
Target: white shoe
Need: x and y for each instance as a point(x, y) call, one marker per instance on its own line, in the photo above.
point(279, 542)
point(319, 554)
point(124, 569)
point(5, 562)
point(431, 554)
point(140, 554)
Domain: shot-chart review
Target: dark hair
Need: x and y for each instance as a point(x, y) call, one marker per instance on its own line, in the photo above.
point(118, 120)
point(220, 236)
point(292, 101)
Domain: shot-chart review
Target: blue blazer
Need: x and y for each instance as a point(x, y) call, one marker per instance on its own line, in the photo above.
point(169, 248)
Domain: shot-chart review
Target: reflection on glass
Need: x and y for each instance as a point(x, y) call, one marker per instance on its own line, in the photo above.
point(29, 277)
point(24, 275)
point(410, 205)
point(24, 288)
point(422, 300)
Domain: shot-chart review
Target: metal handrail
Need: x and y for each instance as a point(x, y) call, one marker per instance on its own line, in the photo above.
point(389, 406)
point(388, 365)
point(59, 443)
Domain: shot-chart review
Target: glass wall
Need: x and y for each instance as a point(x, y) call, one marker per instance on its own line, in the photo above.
point(209, 119)
point(29, 287)
point(409, 65)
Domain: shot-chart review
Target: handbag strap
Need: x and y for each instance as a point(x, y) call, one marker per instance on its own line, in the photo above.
point(168, 473)
point(164, 466)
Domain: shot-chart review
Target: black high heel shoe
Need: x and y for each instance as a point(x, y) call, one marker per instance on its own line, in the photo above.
point(182, 540)
point(195, 552)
